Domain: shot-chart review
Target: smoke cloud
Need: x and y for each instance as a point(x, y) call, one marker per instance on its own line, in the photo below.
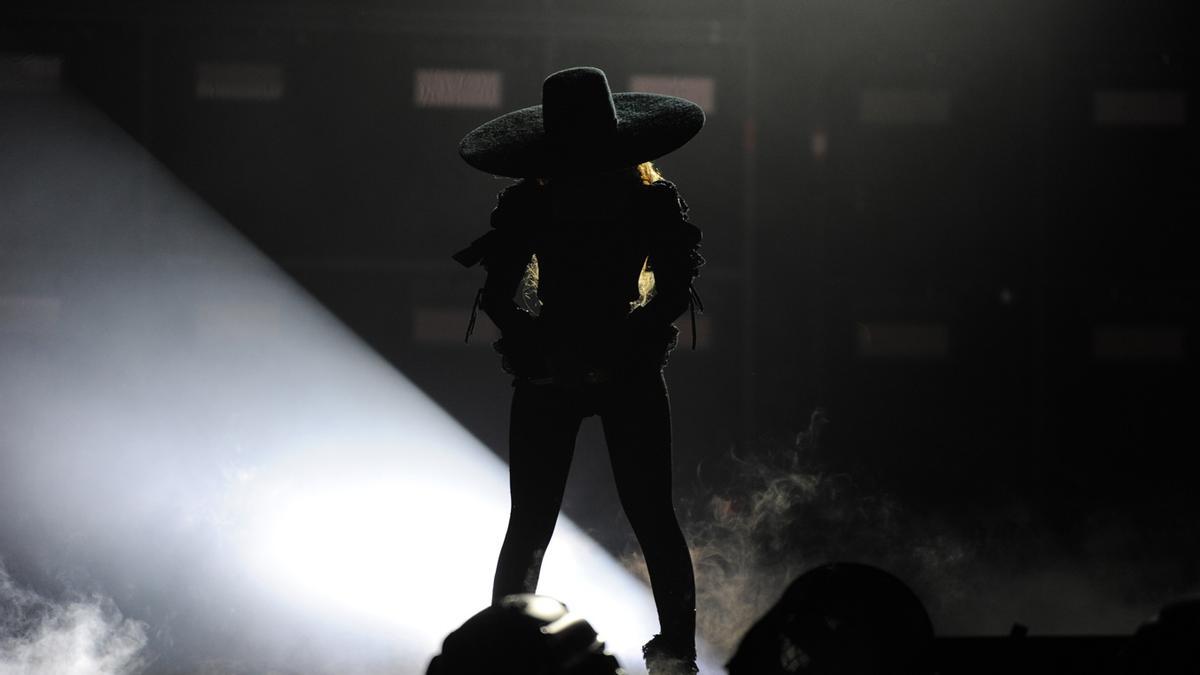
point(188, 433)
point(85, 635)
point(782, 515)
point(978, 570)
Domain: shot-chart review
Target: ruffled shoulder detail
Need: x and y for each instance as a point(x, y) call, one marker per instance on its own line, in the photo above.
point(671, 233)
point(664, 198)
point(516, 203)
point(513, 219)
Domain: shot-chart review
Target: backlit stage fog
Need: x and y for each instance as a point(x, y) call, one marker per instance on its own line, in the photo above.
point(201, 470)
point(950, 328)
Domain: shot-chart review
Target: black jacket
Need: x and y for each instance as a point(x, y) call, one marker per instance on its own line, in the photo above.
point(591, 238)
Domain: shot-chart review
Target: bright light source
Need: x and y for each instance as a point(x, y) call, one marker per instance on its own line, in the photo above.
point(258, 486)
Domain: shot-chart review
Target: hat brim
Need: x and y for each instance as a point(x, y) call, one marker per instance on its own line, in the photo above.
point(648, 127)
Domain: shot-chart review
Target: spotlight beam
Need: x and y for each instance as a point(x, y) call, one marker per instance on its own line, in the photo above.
point(199, 440)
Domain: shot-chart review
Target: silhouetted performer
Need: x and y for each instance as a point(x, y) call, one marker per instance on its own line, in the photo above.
point(599, 251)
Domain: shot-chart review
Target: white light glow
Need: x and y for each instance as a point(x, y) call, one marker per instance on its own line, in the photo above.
point(260, 488)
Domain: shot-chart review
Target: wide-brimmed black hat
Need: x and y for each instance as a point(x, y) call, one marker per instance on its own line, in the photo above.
point(581, 127)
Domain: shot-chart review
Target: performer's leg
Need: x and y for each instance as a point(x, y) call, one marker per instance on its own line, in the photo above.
point(543, 426)
point(637, 426)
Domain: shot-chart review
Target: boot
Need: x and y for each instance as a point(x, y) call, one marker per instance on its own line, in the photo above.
point(664, 658)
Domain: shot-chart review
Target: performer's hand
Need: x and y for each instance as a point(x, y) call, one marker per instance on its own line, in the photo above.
point(522, 350)
point(650, 339)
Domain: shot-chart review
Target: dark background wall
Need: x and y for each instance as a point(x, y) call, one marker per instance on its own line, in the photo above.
point(957, 227)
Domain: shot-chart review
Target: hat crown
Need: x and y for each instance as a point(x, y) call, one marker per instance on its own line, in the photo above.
point(577, 106)
point(581, 127)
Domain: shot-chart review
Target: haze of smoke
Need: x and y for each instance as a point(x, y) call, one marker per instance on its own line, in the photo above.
point(783, 516)
point(977, 571)
point(85, 636)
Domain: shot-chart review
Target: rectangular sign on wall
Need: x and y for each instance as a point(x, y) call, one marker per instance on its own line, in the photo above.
point(450, 88)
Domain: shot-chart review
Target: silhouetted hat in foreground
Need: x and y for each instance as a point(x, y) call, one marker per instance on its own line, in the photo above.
point(581, 127)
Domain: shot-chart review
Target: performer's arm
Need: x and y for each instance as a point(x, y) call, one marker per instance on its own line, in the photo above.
point(674, 257)
point(497, 300)
point(507, 257)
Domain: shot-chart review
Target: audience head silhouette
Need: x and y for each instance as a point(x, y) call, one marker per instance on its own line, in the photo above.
point(1169, 643)
point(839, 618)
point(524, 635)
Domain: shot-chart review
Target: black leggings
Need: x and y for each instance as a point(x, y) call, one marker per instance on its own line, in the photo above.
point(636, 416)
